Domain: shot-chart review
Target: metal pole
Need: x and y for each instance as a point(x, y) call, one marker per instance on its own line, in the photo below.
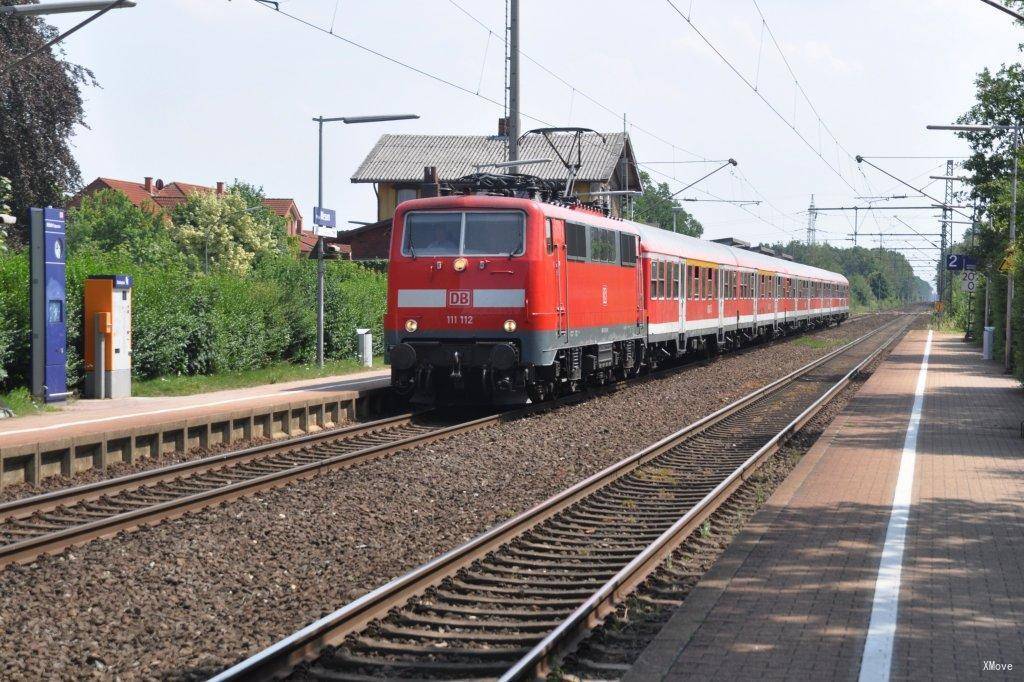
point(947, 225)
point(320, 248)
point(1007, 355)
point(513, 85)
point(969, 332)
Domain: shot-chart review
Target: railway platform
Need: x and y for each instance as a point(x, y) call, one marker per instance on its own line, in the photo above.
point(894, 549)
point(94, 433)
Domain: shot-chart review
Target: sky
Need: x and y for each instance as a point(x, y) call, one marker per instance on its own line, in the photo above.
point(208, 90)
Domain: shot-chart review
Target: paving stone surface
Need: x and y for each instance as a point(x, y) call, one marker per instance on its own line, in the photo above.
point(791, 598)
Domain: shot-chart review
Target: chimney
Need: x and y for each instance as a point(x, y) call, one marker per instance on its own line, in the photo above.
point(502, 127)
point(220, 187)
point(147, 184)
point(430, 187)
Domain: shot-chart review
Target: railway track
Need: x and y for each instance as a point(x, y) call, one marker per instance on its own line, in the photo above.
point(513, 601)
point(52, 522)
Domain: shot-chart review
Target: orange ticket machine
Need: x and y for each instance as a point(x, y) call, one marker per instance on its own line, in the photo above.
point(107, 318)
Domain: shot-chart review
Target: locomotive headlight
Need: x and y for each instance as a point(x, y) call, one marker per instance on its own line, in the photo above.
point(460, 264)
point(411, 326)
point(510, 326)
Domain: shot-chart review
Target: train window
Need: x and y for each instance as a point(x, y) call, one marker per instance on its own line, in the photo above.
point(575, 241)
point(602, 245)
point(432, 234)
point(675, 280)
point(627, 249)
point(694, 281)
point(493, 234)
point(549, 235)
point(709, 283)
point(654, 279)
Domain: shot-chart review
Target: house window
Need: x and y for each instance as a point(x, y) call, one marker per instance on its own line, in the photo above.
point(405, 194)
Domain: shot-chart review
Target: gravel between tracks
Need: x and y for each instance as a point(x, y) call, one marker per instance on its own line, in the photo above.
point(191, 596)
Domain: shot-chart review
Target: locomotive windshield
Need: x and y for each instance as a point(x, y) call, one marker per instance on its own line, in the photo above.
point(491, 233)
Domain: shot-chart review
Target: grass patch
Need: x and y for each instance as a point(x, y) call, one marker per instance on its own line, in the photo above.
point(812, 343)
point(273, 374)
point(22, 403)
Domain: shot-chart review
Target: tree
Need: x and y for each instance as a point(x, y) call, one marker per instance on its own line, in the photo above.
point(254, 197)
point(40, 105)
point(879, 284)
point(108, 221)
point(655, 207)
point(221, 232)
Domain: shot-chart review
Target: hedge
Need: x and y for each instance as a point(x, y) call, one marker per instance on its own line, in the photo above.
point(188, 323)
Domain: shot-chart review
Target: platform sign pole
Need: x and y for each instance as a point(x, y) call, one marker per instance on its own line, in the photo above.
point(48, 296)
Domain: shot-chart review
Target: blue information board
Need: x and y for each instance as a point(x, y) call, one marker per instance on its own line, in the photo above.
point(49, 303)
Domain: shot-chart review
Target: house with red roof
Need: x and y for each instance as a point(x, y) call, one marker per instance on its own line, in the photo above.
point(156, 195)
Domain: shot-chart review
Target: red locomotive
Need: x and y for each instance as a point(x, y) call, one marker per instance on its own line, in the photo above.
point(499, 299)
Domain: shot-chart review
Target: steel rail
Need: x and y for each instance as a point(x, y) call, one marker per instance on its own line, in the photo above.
point(306, 643)
point(27, 506)
point(32, 547)
point(536, 663)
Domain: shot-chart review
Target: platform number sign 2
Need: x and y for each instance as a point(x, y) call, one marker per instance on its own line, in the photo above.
point(959, 261)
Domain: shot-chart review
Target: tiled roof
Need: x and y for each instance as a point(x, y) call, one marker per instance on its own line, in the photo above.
point(135, 191)
point(282, 206)
point(172, 194)
point(401, 158)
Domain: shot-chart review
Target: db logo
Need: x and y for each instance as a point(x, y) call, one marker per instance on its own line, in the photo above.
point(458, 297)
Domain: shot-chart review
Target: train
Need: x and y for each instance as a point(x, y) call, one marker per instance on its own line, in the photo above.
point(506, 300)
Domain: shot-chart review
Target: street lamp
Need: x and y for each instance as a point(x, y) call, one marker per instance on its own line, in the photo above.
point(1014, 149)
point(320, 204)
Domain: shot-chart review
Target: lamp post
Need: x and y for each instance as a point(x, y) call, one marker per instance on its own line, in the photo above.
point(320, 204)
point(1014, 148)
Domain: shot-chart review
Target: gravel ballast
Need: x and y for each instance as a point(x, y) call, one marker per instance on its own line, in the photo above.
point(188, 597)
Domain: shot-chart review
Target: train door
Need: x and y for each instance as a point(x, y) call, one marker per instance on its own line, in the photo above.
point(755, 293)
point(639, 279)
point(775, 300)
point(722, 274)
point(556, 246)
point(685, 283)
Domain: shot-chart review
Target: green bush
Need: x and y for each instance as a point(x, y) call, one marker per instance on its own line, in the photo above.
point(187, 323)
point(15, 332)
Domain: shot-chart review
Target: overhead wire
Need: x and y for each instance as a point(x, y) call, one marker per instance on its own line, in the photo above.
point(750, 85)
point(452, 84)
